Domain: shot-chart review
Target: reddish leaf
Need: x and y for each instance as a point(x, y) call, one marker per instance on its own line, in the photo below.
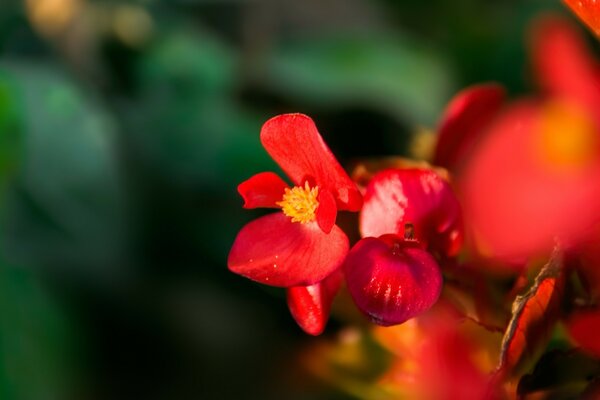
point(588, 11)
point(294, 142)
point(584, 326)
point(534, 314)
point(464, 121)
point(262, 190)
point(275, 251)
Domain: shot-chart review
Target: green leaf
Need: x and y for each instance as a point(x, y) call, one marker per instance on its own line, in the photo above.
point(65, 208)
point(392, 74)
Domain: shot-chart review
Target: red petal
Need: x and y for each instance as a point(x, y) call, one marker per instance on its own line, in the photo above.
point(294, 143)
point(588, 11)
point(277, 252)
point(583, 327)
point(310, 305)
point(327, 211)
point(394, 198)
point(262, 190)
point(464, 121)
point(392, 283)
point(563, 63)
point(524, 187)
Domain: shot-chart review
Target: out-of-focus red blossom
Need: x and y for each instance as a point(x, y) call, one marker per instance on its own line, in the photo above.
point(588, 11)
point(396, 197)
point(583, 327)
point(460, 127)
point(392, 279)
point(441, 356)
point(535, 176)
point(310, 305)
point(301, 245)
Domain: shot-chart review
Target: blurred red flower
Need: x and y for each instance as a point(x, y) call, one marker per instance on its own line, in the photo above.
point(532, 175)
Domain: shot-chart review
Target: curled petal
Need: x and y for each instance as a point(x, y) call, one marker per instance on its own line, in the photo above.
point(392, 280)
point(262, 190)
point(275, 251)
point(310, 305)
point(327, 211)
point(465, 120)
point(294, 142)
point(396, 197)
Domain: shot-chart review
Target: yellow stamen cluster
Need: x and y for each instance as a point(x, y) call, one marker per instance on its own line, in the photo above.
point(300, 203)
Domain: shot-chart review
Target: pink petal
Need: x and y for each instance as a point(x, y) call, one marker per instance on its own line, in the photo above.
point(262, 190)
point(275, 251)
point(392, 280)
point(310, 305)
point(294, 143)
point(327, 211)
point(465, 120)
point(563, 64)
point(397, 197)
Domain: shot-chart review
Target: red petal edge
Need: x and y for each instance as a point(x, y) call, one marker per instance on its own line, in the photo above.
point(310, 305)
point(262, 190)
point(392, 280)
point(294, 142)
point(275, 251)
point(465, 120)
point(588, 11)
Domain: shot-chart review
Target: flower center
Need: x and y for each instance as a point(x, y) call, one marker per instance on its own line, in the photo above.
point(300, 203)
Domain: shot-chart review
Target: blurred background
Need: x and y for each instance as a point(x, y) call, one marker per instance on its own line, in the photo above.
point(125, 127)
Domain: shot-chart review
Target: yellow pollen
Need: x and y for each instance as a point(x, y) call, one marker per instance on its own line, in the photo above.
point(300, 203)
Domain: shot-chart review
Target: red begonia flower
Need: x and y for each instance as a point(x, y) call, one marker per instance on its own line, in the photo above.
point(588, 11)
point(397, 197)
point(310, 305)
point(392, 279)
point(301, 245)
point(536, 178)
point(464, 120)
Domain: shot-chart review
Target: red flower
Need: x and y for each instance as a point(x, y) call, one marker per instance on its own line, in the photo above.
point(419, 197)
point(300, 246)
point(392, 279)
point(532, 172)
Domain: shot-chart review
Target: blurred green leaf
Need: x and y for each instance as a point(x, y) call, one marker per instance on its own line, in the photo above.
point(184, 119)
point(66, 206)
point(393, 74)
point(36, 343)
